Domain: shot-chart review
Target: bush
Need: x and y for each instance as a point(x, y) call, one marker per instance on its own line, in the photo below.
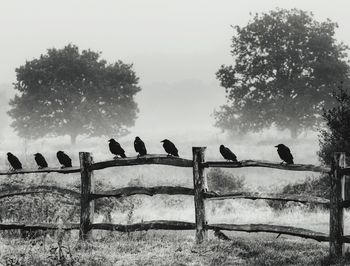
point(224, 182)
point(335, 137)
point(312, 186)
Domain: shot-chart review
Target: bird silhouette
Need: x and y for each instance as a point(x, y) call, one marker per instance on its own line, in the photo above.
point(40, 160)
point(140, 147)
point(116, 149)
point(14, 162)
point(64, 159)
point(284, 153)
point(221, 235)
point(227, 154)
point(170, 148)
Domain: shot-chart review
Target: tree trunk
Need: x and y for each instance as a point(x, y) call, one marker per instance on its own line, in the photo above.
point(73, 139)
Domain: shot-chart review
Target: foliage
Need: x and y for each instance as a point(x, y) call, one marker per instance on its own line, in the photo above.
point(335, 137)
point(312, 186)
point(285, 64)
point(224, 182)
point(70, 92)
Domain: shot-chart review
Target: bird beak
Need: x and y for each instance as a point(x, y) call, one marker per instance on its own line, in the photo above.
point(276, 146)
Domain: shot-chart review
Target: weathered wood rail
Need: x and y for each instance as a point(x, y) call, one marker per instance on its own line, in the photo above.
point(338, 201)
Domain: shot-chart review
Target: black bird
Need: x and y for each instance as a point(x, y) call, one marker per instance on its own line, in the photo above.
point(140, 147)
point(116, 149)
point(40, 160)
point(227, 154)
point(221, 235)
point(14, 162)
point(170, 148)
point(284, 153)
point(64, 159)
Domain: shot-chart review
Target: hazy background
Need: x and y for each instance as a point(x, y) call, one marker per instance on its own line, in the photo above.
point(176, 48)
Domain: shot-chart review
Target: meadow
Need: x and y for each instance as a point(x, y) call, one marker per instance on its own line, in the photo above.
point(165, 247)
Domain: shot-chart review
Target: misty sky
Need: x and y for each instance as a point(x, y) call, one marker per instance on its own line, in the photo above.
point(176, 46)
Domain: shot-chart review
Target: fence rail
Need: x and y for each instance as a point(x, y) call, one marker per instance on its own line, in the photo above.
point(67, 170)
point(87, 195)
point(267, 196)
point(38, 189)
point(149, 191)
point(267, 164)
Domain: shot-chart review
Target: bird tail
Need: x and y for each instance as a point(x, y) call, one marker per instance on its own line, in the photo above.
point(123, 155)
point(176, 154)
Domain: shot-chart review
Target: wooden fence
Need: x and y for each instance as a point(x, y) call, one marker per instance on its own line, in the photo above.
point(339, 198)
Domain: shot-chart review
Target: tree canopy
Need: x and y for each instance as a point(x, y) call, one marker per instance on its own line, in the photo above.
point(335, 136)
point(285, 66)
point(70, 92)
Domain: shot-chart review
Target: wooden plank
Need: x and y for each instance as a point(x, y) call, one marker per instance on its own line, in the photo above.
point(149, 191)
point(267, 228)
point(336, 224)
point(147, 225)
point(211, 195)
point(148, 159)
point(39, 226)
point(67, 170)
point(87, 187)
point(200, 186)
point(267, 164)
point(38, 189)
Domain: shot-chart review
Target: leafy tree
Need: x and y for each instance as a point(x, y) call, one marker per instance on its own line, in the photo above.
point(285, 64)
point(335, 137)
point(68, 92)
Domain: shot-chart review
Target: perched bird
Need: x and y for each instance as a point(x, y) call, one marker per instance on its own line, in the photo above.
point(40, 160)
point(227, 154)
point(116, 149)
point(170, 148)
point(140, 147)
point(221, 235)
point(284, 153)
point(64, 159)
point(14, 162)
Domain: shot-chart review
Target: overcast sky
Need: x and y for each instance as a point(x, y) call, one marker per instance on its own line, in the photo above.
point(168, 41)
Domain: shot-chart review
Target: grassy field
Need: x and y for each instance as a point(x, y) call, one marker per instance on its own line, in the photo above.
point(165, 248)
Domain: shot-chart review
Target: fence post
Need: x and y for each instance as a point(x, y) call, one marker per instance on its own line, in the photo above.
point(337, 195)
point(200, 185)
point(87, 187)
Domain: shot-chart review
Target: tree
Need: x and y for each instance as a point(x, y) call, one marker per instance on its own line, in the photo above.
point(335, 136)
point(285, 66)
point(68, 92)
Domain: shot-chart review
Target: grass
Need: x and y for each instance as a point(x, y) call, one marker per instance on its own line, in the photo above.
point(166, 248)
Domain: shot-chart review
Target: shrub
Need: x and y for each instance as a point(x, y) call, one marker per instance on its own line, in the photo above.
point(335, 137)
point(312, 186)
point(223, 181)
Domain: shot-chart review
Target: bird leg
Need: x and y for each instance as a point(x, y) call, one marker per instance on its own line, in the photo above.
point(115, 157)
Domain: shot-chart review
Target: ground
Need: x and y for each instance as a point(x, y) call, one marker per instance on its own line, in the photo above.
point(165, 248)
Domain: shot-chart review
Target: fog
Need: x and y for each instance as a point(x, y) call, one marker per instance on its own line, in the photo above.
point(176, 48)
